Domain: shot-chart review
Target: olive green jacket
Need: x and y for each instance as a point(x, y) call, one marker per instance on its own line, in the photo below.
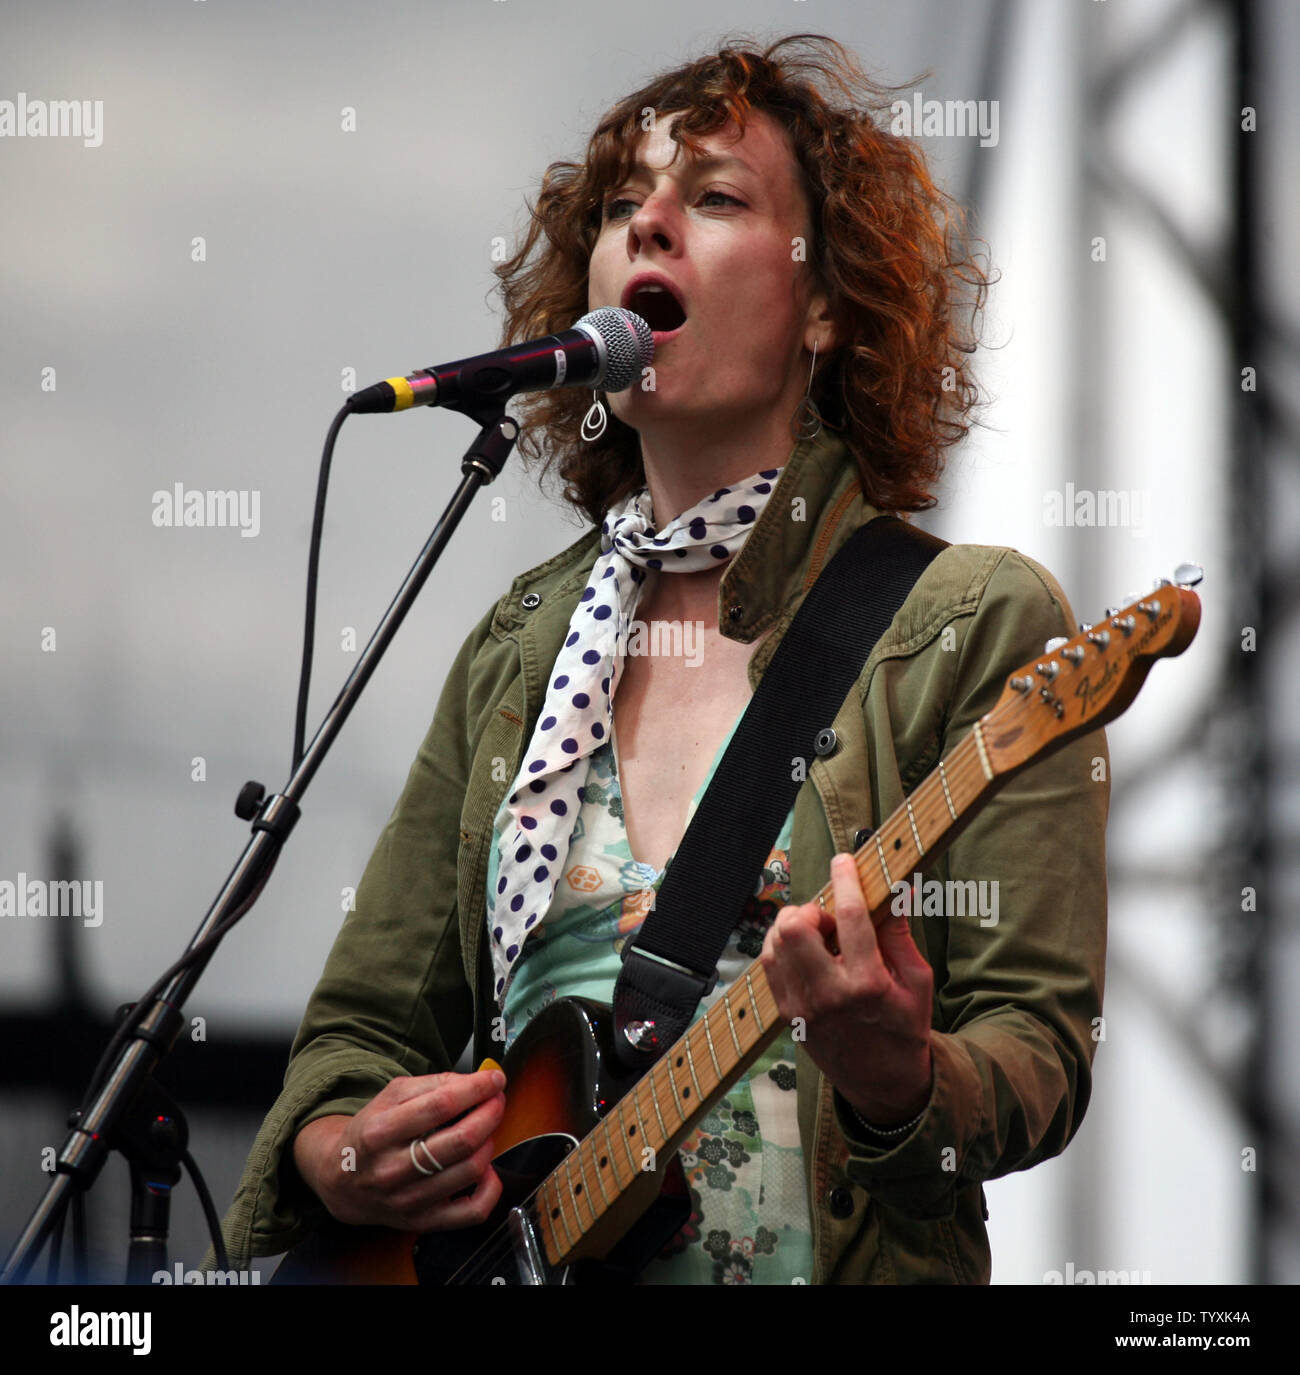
point(1015, 1001)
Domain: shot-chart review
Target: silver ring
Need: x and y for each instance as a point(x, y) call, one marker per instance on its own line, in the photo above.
point(419, 1140)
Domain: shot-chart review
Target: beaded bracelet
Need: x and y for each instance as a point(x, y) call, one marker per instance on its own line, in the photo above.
point(885, 1131)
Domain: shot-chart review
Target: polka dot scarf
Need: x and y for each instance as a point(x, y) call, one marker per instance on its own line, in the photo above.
point(542, 809)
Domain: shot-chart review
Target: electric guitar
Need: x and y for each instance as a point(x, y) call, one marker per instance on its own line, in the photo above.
point(587, 1152)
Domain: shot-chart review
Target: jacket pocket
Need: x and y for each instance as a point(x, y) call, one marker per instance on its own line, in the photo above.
point(917, 1250)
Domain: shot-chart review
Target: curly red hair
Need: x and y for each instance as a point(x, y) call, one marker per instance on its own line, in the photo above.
point(889, 247)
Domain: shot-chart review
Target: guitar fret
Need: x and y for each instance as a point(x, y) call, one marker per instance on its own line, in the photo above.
point(753, 1002)
point(595, 1161)
point(609, 1146)
point(582, 1171)
point(636, 1108)
point(627, 1136)
point(573, 1198)
point(884, 868)
point(911, 820)
point(708, 1038)
point(943, 778)
point(672, 1084)
point(726, 1002)
point(654, 1098)
point(558, 1207)
point(690, 1065)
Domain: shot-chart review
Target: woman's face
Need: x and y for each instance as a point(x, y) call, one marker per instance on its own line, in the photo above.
point(728, 235)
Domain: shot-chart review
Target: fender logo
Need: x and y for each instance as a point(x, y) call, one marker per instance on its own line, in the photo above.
point(1092, 695)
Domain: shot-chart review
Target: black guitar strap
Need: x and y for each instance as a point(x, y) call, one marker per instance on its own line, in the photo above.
point(672, 963)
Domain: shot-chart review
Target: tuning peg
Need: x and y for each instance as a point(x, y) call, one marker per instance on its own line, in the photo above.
point(1112, 611)
point(1054, 644)
point(1188, 574)
point(1084, 626)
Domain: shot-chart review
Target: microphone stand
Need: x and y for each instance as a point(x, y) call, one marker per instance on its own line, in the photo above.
point(125, 1112)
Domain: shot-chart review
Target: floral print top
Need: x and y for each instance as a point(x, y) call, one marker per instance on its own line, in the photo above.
point(749, 1220)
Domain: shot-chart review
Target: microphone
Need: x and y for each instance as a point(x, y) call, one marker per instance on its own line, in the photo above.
point(606, 348)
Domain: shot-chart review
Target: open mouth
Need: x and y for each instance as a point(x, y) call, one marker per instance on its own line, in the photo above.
point(658, 307)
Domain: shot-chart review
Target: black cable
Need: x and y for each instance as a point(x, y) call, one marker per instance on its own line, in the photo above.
point(313, 565)
point(209, 1212)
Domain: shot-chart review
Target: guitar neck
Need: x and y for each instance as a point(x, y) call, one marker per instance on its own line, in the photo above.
point(639, 1135)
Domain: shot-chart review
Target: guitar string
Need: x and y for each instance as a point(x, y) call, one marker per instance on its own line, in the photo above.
point(485, 1260)
point(500, 1245)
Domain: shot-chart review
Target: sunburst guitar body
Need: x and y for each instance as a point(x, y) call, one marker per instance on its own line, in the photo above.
point(562, 1077)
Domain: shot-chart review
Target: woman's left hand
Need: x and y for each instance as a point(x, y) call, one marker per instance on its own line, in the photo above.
point(860, 996)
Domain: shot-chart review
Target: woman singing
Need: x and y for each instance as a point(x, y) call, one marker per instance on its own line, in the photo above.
point(804, 280)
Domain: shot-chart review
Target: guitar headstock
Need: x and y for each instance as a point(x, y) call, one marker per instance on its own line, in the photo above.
point(1078, 684)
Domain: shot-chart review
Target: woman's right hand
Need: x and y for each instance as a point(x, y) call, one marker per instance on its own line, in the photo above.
point(361, 1168)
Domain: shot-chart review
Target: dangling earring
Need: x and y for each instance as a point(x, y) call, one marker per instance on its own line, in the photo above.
point(806, 423)
point(596, 415)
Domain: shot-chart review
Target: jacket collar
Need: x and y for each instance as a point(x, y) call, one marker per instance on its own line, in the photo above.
point(815, 507)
